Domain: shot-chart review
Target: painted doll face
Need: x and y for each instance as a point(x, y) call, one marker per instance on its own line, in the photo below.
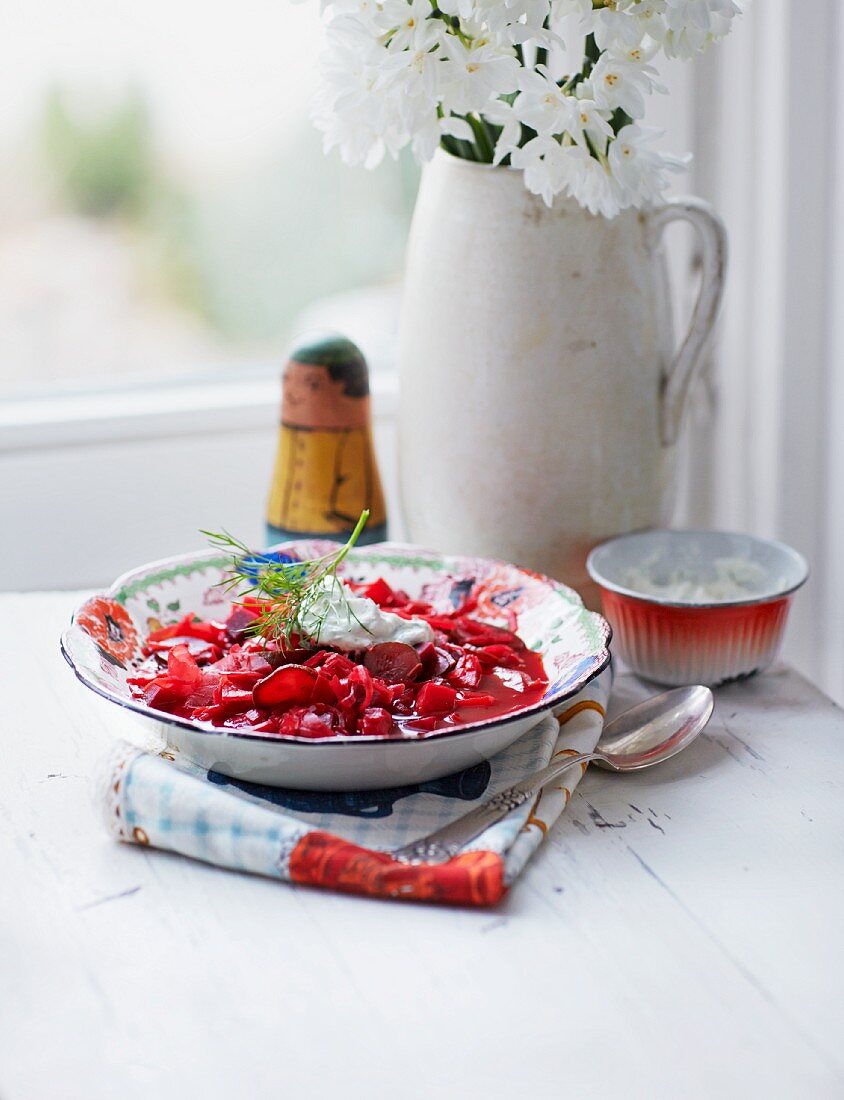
point(311, 398)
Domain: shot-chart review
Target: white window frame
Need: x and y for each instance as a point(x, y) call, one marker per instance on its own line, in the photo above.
point(89, 483)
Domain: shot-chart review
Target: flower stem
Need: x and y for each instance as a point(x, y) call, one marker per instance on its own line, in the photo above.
point(592, 53)
point(482, 142)
point(450, 145)
point(619, 120)
point(492, 134)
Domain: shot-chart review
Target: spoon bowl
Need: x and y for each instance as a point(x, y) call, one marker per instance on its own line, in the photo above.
point(654, 730)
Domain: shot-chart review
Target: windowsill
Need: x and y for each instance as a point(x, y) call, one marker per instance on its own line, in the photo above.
point(167, 410)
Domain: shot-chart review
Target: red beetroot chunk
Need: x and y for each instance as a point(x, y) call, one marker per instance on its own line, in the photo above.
point(471, 632)
point(436, 660)
point(393, 662)
point(375, 722)
point(435, 699)
point(239, 620)
point(289, 685)
point(467, 672)
point(317, 720)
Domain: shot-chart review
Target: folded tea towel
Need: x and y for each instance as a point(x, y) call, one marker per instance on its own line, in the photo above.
point(342, 841)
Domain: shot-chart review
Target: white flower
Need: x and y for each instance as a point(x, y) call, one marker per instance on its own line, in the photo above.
point(355, 116)
point(648, 14)
point(355, 133)
point(692, 25)
point(543, 106)
point(526, 22)
point(354, 30)
point(427, 135)
point(532, 12)
point(401, 72)
point(506, 21)
point(476, 74)
point(640, 170)
point(619, 82)
point(541, 161)
point(407, 23)
point(626, 23)
point(561, 8)
point(464, 9)
point(590, 183)
point(589, 120)
point(641, 53)
point(413, 72)
point(616, 29)
point(502, 114)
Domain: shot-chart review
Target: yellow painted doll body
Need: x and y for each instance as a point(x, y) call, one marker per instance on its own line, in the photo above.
point(323, 480)
point(325, 470)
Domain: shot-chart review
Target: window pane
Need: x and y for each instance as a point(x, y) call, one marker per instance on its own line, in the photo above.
point(165, 207)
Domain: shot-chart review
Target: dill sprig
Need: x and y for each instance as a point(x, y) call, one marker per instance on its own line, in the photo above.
point(289, 589)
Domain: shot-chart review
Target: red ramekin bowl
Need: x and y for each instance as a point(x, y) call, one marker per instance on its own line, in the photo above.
point(672, 638)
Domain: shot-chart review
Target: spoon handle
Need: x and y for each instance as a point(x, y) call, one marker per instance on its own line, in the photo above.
point(441, 845)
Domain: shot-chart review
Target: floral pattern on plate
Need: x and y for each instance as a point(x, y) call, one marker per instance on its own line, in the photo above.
point(110, 625)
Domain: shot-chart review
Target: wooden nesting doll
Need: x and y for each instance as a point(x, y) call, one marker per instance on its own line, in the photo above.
point(325, 470)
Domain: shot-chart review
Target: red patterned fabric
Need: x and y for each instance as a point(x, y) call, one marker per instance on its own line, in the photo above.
point(473, 878)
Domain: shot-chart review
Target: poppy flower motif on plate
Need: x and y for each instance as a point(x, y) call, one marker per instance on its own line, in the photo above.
point(111, 627)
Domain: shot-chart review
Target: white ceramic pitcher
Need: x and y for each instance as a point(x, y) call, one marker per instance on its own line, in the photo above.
point(541, 393)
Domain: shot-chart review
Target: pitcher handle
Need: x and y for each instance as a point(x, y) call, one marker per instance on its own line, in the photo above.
point(713, 239)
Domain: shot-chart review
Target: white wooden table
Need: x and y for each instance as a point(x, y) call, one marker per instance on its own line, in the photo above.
point(679, 935)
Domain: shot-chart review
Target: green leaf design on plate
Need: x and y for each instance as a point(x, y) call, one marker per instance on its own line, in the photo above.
point(411, 562)
point(593, 631)
point(161, 576)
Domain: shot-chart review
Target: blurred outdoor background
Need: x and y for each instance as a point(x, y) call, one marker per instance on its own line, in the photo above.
point(165, 207)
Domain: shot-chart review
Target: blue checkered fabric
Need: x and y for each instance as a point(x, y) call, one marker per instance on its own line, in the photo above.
point(175, 805)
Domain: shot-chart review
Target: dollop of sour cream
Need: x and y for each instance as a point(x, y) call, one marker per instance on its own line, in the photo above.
point(339, 618)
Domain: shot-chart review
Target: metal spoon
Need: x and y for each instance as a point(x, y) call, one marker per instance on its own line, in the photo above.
point(642, 736)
